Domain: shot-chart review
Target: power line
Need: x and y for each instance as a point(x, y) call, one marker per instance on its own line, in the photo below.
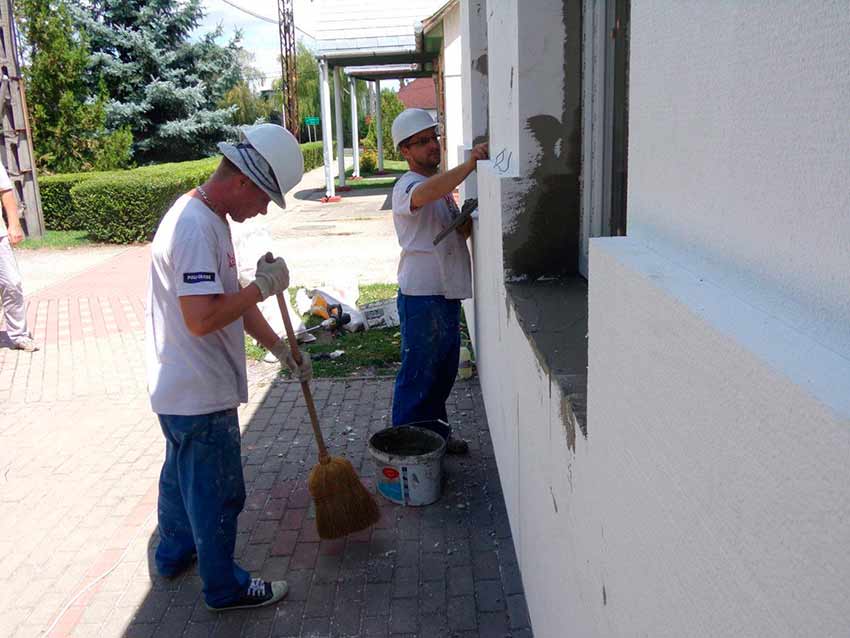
point(262, 17)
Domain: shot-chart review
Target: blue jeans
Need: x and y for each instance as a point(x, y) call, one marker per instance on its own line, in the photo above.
point(201, 492)
point(430, 347)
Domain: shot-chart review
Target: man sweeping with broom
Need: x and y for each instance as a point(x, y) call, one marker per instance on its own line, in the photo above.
point(196, 320)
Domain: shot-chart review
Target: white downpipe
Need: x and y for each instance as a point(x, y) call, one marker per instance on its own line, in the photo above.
point(355, 133)
point(380, 129)
point(327, 130)
point(340, 135)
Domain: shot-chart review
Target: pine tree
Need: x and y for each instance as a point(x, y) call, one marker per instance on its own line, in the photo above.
point(166, 88)
point(67, 118)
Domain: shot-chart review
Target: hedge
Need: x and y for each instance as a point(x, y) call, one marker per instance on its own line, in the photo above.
point(56, 204)
point(126, 206)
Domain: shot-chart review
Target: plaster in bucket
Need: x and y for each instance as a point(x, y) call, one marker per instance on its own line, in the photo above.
point(409, 463)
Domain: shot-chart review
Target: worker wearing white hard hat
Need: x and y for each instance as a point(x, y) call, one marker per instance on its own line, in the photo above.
point(196, 320)
point(433, 279)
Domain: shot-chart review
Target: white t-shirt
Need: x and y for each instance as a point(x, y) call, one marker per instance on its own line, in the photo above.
point(426, 269)
point(192, 254)
point(5, 185)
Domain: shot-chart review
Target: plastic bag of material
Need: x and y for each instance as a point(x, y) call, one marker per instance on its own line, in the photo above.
point(251, 241)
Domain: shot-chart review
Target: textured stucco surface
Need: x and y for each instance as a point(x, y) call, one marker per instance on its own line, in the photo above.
point(738, 154)
point(709, 497)
point(452, 61)
point(722, 481)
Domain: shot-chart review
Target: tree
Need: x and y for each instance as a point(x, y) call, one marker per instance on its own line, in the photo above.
point(68, 120)
point(164, 87)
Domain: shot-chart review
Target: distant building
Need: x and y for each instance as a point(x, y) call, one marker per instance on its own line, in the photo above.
point(420, 94)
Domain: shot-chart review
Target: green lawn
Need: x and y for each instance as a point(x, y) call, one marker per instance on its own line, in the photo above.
point(57, 239)
point(371, 182)
point(391, 167)
point(372, 352)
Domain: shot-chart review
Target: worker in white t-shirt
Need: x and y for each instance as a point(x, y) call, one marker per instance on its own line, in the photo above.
point(11, 287)
point(196, 320)
point(432, 279)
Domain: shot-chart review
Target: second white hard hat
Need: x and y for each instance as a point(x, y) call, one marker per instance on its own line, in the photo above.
point(269, 156)
point(410, 122)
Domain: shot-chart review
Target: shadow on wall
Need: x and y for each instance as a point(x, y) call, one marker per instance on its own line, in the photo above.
point(544, 239)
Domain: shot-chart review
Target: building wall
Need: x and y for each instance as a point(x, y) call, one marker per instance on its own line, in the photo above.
point(452, 85)
point(719, 382)
point(740, 156)
point(709, 497)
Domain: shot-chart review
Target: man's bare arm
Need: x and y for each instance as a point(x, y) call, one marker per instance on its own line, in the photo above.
point(204, 314)
point(435, 187)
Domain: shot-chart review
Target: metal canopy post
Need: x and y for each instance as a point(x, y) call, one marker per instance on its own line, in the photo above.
point(340, 134)
point(380, 129)
point(327, 131)
point(355, 132)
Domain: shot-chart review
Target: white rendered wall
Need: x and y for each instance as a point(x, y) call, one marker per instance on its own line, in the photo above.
point(710, 498)
point(740, 149)
point(452, 85)
point(721, 483)
point(719, 359)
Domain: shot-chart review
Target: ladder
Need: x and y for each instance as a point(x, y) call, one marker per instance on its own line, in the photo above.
point(16, 151)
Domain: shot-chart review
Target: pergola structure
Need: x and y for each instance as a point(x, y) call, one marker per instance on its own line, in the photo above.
point(390, 44)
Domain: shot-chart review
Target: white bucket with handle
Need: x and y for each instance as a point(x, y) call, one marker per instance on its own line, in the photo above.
point(409, 462)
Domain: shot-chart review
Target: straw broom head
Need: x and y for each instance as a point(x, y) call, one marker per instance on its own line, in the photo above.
point(343, 504)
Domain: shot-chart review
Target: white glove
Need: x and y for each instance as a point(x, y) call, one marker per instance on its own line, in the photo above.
point(271, 277)
point(304, 372)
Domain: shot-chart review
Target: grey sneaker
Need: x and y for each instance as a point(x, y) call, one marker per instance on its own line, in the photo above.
point(26, 344)
point(260, 593)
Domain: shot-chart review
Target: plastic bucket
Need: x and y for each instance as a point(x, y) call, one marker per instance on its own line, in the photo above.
point(409, 463)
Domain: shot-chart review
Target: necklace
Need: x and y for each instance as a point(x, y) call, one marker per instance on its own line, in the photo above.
point(206, 199)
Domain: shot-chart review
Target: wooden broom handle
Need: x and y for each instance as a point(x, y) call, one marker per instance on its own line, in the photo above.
point(324, 457)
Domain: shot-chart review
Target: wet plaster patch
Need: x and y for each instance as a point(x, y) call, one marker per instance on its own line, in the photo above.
point(553, 315)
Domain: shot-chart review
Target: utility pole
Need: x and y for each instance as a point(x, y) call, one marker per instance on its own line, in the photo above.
point(16, 149)
point(289, 73)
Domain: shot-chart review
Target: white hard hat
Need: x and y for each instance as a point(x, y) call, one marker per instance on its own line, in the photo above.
point(410, 122)
point(269, 156)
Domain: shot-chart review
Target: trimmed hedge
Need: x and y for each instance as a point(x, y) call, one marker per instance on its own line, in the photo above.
point(312, 152)
point(126, 206)
point(56, 204)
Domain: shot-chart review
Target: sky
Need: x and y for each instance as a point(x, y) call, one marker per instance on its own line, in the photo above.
point(259, 37)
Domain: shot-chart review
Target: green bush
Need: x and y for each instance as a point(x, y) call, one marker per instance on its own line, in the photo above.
point(125, 207)
point(312, 152)
point(368, 162)
point(56, 204)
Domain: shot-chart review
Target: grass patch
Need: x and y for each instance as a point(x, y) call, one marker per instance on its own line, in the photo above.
point(373, 352)
point(57, 240)
point(374, 182)
point(391, 167)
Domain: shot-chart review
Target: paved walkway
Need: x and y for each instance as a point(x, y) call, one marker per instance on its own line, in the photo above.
point(80, 454)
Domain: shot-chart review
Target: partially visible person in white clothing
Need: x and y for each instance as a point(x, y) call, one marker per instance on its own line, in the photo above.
point(11, 285)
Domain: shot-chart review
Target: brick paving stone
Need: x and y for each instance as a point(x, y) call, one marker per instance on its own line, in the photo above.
point(72, 512)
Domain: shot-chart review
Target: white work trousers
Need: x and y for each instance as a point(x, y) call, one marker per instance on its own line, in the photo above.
point(12, 292)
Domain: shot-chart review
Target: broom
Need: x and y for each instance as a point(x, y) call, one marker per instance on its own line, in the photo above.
point(343, 504)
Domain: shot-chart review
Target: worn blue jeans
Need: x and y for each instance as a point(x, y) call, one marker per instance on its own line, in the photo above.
point(430, 346)
point(201, 492)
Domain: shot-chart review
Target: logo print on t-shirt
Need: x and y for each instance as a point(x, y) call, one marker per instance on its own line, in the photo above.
point(197, 277)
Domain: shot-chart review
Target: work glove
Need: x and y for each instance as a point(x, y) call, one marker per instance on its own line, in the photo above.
point(304, 372)
point(272, 277)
